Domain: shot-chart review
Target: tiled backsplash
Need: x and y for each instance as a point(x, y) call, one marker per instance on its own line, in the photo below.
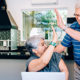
point(4, 35)
point(9, 38)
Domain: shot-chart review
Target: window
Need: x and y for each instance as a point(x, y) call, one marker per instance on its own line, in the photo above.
point(38, 21)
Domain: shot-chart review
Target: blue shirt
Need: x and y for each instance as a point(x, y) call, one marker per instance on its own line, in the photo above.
point(68, 41)
point(53, 65)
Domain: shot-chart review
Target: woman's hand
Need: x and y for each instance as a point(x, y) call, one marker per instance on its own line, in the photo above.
point(59, 20)
point(54, 35)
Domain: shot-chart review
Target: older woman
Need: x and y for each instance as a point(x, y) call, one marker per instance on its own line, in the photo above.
point(43, 58)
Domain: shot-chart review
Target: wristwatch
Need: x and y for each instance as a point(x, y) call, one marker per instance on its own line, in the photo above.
point(65, 28)
point(52, 43)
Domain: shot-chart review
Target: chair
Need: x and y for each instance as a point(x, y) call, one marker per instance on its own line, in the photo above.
point(43, 75)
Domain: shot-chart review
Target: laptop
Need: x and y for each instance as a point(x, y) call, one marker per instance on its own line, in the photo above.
point(43, 75)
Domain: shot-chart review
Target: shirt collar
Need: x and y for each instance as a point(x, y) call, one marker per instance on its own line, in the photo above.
point(78, 25)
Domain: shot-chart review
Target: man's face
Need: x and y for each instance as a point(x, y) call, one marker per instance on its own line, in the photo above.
point(77, 15)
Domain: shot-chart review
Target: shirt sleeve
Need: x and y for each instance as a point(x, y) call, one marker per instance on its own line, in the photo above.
point(28, 61)
point(66, 41)
point(57, 57)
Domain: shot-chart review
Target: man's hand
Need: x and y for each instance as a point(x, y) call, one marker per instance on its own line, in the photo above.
point(59, 20)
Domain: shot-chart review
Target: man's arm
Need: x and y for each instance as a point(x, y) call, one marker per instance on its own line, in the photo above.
point(59, 48)
point(73, 33)
point(63, 68)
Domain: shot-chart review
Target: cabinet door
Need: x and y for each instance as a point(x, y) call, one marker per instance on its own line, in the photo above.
point(13, 39)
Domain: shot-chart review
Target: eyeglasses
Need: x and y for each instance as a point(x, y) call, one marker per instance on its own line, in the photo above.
point(77, 15)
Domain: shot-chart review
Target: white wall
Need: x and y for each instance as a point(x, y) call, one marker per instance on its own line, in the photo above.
point(16, 6)
point(10, 69)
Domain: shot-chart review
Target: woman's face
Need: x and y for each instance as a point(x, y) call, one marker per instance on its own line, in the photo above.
point(41, 47)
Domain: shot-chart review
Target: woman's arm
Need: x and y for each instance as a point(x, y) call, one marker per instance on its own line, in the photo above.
point(63, 68)
point(40, 63)
point(59, 48)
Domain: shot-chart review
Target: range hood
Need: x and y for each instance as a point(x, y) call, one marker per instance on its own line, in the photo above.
point(4, 19)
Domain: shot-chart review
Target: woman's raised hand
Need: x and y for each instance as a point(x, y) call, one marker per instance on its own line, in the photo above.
point(54, 35)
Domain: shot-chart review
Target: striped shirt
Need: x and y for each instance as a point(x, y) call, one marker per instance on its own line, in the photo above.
point(69, 41)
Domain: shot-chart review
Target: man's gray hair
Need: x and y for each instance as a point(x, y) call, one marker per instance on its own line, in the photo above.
point(32, 42)
point(77, 4)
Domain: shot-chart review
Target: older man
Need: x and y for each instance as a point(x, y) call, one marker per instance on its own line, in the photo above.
point(72, 36)
point(42, 57)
